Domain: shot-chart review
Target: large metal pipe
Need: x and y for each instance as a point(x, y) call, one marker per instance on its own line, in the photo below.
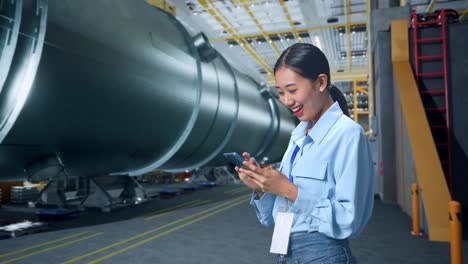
point(122, 88)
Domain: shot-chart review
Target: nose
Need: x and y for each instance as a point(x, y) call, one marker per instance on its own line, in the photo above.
point(288, 100)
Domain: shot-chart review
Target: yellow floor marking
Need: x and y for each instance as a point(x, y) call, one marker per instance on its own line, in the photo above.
point(183, 207)
point(51, 248)
point(236, 189)
point(153, 230)
point(163, 233)
point(242, 190)
point(170, 209)
point(40, 245)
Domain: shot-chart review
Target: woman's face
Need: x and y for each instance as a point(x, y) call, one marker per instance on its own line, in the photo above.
point(307, 99)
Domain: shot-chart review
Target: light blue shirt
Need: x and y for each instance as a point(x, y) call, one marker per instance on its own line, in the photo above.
point(333, 171)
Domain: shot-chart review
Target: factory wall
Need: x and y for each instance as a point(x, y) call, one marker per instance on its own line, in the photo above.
point(458, 79)
point(397, 172)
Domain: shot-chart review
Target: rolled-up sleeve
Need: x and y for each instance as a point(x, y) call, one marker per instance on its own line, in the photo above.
point(264, 208)
point(344, 211)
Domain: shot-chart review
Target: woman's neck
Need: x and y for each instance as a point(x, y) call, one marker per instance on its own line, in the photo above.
point(309, 128)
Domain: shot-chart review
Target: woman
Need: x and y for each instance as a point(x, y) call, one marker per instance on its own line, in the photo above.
point(325, 182)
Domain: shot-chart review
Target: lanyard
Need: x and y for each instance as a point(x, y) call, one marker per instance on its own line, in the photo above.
point(291, 179)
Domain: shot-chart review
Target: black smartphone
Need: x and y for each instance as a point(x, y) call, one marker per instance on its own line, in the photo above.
point(236, 159)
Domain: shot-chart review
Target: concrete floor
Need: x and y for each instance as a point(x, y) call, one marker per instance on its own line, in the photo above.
point(208, 226)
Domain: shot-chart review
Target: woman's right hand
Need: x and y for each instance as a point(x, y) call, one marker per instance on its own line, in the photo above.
point(246, 178)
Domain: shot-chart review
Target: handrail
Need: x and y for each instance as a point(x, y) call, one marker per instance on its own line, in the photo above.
point(434, 188)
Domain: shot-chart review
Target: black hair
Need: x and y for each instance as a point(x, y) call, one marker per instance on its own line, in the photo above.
point(339, 97)
point(306, 60)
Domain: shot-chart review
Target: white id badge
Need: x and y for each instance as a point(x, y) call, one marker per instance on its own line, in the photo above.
point(280, 240)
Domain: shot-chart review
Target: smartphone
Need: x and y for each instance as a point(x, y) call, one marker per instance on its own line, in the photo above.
point(236, 159)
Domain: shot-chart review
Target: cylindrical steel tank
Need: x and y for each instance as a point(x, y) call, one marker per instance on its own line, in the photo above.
point(120, 87)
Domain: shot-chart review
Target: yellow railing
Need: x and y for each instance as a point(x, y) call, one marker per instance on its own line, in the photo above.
point(434, 190)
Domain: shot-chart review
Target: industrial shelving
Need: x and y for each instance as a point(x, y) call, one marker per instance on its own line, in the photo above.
point(358, 102)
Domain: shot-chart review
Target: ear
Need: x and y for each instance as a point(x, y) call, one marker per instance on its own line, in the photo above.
point(323, 82)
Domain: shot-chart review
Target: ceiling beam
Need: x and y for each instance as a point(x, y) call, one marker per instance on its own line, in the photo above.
point(259, 25)
point(244, 43)
point(355, 4)
point(431, 6)
point(348, 76)
point(463, 13)
point(291, 23)
point(370, 69)
point(348, 32)
point(336, 77)
point(302, 30)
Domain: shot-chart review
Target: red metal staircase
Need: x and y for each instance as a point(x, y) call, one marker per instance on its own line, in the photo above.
point(430, 67)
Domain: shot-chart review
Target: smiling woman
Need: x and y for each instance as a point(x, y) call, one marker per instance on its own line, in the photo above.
point(304, 97)
point(323, 192)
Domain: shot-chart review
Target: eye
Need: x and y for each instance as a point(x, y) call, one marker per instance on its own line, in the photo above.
point(293, 91)
point(280, 93)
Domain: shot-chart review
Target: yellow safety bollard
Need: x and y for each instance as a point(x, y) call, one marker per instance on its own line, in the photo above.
point(455, 232)
point(415, 202)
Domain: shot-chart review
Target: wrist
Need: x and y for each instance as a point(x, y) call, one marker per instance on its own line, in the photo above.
point(290, 191)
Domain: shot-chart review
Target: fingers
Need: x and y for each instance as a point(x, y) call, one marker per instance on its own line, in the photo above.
point(246, 179)
point(247, 157)
point(242, 174)
point(253, 166)
point(253, 175)
point(254, 161)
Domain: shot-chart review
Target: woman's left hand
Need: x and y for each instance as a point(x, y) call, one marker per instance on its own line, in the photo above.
point(271, 180)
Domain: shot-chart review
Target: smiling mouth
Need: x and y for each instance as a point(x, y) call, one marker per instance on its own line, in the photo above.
point(298, 111)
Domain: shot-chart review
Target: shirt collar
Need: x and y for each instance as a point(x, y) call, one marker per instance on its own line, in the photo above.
point(322, 126)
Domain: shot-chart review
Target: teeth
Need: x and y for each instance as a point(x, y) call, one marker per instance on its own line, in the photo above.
point(297, 109)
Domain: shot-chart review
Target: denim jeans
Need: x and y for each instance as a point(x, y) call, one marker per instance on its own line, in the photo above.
point(316, 248)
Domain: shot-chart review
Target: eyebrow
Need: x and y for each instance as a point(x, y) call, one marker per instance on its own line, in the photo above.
point(286, 86)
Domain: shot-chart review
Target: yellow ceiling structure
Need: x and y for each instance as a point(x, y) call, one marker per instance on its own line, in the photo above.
point(257, 31)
